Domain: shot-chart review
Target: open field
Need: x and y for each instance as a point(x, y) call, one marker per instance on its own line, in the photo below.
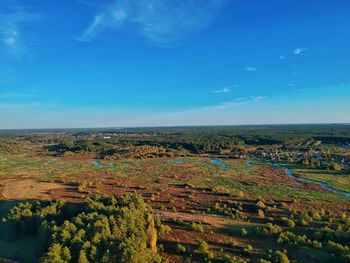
point(243, 209)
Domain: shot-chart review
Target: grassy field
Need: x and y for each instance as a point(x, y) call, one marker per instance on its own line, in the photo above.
point(221, 200)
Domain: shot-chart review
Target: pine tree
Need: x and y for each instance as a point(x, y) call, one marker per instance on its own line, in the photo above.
point(82, 257)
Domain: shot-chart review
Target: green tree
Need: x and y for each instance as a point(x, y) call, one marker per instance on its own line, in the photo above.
point(82, 257)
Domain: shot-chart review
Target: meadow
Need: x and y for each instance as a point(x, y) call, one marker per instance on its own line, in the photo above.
point(207, 207)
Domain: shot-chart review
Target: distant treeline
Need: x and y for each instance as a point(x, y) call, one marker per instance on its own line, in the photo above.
point(148, 142)
point(209, 140)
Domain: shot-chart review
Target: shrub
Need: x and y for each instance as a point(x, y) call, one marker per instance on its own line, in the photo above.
point(233, 243)
point(197, 227)
point(203, 248)
point(248, 249)
point(244, 232)
point(280, 257)
point(288, 222)
point(161, 247)
point(335, 167)
point(316, 216)
point(180, 248)
point(260, 204)
point(81, 187)
point(261, 213)
point(303, 222)
point(269, 230)
point(163, 230)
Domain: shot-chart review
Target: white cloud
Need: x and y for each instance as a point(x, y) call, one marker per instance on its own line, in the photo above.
point(250, 69)
point(11, 33)
point(160, 21)
point(11, 39)
point(223, 90)
point(241, 101)
point(299, 51)
point(282, 57)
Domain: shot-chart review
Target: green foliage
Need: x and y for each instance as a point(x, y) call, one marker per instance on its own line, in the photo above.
point(57, 254)
point(203, 248)
point(291, 238)
point(335, 167)
point(288, 222)
point(180, 248)
point(83, 257)
point(244, 232)
point(232, 211)
point(268, 230)
point(338, 249)
point(197, 227)
point(260, 205)
point(248, 249)
point(163, 230)
point(280, 257)
point(109, 230)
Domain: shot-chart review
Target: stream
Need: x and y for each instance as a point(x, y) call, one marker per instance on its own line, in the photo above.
point(225, 166)
point(301, 179)
point(290, 174)
point(248, 164)
point(99, 164)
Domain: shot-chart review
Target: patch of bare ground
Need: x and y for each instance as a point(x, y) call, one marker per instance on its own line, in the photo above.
point(86, 156)
point(212, 220)
point(28, 189)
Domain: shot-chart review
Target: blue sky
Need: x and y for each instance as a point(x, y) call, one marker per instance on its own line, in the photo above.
point(85, 63)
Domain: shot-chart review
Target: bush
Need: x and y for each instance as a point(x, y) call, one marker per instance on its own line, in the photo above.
point(234, 243)
point(261, 213)
point(335, 167)
point(180, 248)
point(280, 257)
point(288, 222)
point(203, 248)
point(164, 229)
point(260, 204)
point(244, 232)
point(316, 216)
point(248, 249)
point(197, 227)
point(269, 230)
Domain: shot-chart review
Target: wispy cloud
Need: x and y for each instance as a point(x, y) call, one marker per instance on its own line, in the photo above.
point(15, 106)
point(250, 69)
point(242, 101)
point(11, 29)
point(223, 90)
point(160, 21)
point(299, 51)
point(16, 95)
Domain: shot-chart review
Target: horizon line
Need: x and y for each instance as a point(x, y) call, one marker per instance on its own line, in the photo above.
point(175, 126)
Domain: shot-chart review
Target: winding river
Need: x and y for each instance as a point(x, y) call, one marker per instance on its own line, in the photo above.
point(250, 164)
point(288, 173)
point(226, 166)
point(301, 179)
point(220, 163)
